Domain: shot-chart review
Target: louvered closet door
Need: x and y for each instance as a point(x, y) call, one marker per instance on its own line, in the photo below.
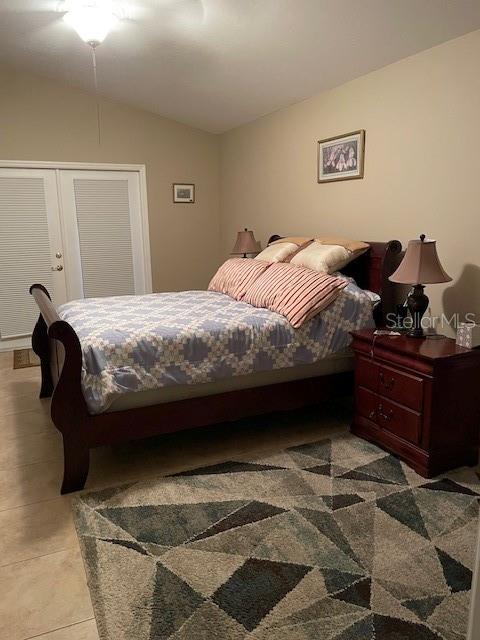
point(105, 250)
point(30, 241)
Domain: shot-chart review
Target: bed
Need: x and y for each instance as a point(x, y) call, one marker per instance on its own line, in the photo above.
point(92, 408)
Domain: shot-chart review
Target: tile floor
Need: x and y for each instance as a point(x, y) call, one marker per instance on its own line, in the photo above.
point(42, 580)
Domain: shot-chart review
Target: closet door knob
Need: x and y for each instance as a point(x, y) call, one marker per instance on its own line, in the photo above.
point(58, 254)
point(59, 267)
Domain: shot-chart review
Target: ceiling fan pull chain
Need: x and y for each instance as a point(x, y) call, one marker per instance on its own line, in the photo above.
point(95, 79)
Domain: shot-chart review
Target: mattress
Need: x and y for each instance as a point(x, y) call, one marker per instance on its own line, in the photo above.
point(136, 344)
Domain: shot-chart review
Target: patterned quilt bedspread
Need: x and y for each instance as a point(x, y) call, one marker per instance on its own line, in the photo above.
point(136, 343)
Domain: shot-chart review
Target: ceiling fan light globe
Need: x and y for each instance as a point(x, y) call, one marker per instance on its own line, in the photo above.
point(93, 24)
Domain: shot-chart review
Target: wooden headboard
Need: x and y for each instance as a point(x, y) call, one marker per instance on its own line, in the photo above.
point(371, 271)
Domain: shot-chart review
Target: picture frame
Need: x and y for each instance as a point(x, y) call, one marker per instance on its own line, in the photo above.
point(183, 193)
point(341, 157)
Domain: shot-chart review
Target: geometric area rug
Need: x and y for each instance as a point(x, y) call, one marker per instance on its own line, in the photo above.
point(333, 540)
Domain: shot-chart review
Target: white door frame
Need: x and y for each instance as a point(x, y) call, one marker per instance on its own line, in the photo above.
point(91, 166)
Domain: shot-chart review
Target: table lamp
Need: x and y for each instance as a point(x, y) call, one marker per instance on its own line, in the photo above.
point(420, 266)
point(245, 243)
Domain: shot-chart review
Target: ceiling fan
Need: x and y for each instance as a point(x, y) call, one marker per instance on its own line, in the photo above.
point(92, 20)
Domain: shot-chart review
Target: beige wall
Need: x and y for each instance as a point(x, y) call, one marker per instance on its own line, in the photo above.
point(422, 165)
point(43, 120)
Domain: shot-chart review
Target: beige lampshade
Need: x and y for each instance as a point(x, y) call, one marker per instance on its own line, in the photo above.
point(245, 243)
point(420, 264)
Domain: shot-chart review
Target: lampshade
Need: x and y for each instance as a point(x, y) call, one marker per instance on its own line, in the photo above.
point(245, 243)
point(420, 264)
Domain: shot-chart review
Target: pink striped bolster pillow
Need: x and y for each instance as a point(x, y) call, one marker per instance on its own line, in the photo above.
point(295, 292)
point(236, 275)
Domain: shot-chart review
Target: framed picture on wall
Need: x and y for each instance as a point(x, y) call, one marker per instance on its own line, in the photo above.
point(184, 193)
point(341, 157)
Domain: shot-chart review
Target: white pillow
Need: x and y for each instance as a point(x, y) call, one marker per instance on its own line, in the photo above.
point(277, 252)
point(325, 258)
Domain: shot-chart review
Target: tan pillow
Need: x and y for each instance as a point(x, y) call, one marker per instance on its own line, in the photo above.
point(326, 258)
point(296, 293)
point(298, 240)
point(277, 252)
point(351, 245)
point(236, 275)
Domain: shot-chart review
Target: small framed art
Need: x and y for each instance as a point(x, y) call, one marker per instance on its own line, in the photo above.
point(341, 157)
point(184, 193)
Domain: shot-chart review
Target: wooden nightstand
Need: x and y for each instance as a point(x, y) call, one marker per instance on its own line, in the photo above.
point(419, 399)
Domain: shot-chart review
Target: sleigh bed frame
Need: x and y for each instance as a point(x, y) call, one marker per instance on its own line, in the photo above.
point(58, 347)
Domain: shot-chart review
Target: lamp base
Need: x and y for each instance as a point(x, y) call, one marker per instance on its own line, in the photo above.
point(415, 333)
point(417, 303)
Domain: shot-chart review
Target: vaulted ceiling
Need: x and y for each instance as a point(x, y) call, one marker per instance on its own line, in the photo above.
point(216, 64)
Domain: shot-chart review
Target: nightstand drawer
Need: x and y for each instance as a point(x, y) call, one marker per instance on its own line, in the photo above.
point(388, 415)
point(366, 373)
point(366, 403)
point(404, 388)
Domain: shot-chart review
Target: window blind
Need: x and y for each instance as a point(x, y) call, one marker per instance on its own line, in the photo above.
point(103, 219)
point(24, 252)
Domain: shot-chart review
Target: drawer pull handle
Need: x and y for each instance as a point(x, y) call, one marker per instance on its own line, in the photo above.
point(388, 384)
point(386, 416)
point(372, 414)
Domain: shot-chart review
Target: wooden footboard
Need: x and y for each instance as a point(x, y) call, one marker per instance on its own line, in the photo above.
point(58, 347)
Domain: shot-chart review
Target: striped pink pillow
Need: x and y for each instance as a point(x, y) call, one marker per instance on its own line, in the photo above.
point(236, 275)
point(295, 292)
